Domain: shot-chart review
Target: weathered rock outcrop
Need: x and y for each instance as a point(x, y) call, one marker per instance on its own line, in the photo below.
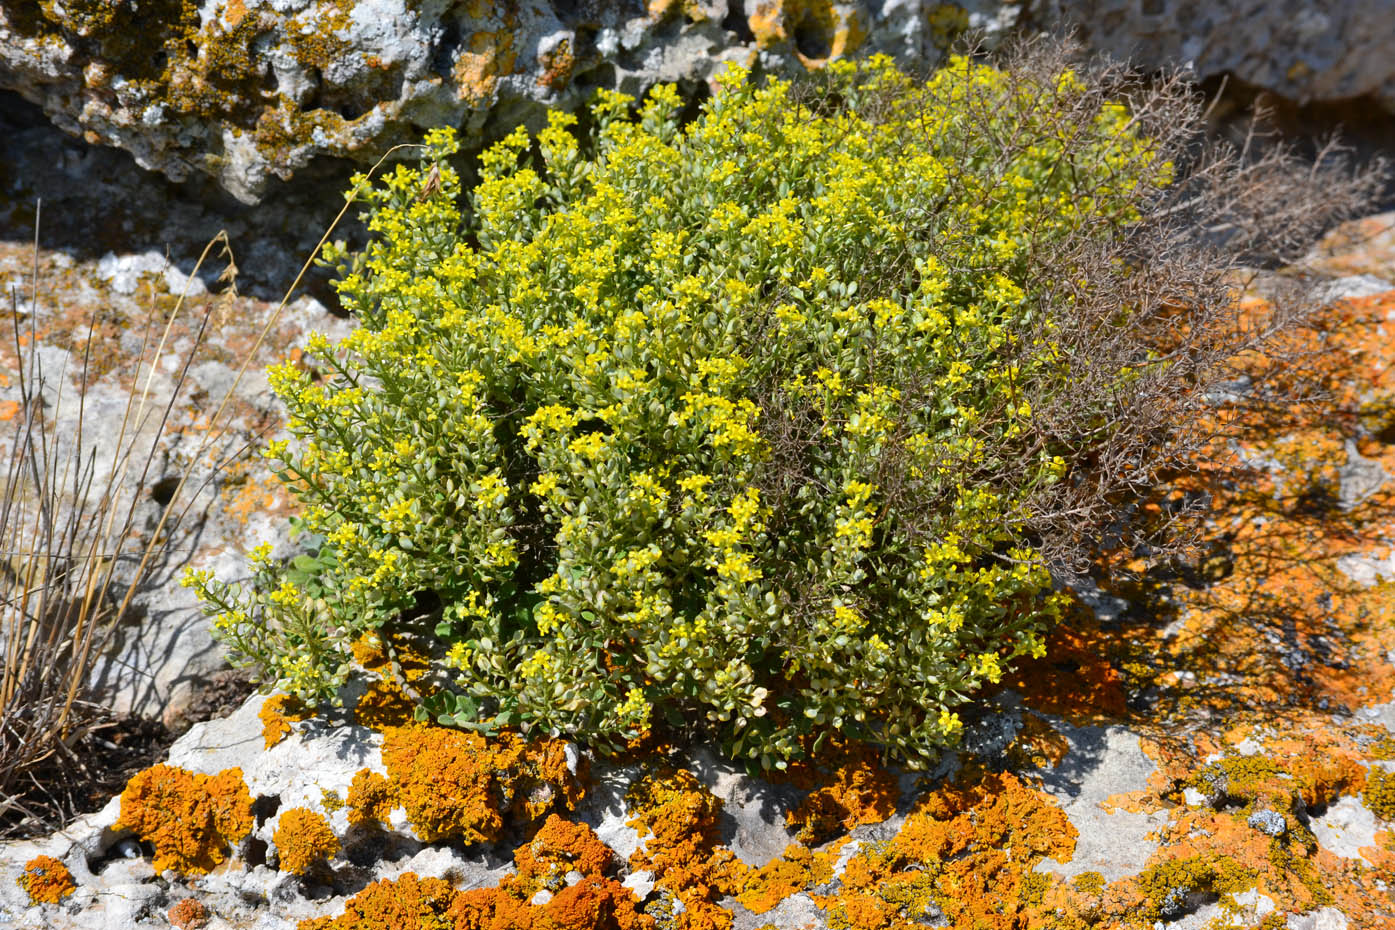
point(246, 91)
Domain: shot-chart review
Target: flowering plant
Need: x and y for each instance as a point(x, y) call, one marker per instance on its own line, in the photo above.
point(731, 422)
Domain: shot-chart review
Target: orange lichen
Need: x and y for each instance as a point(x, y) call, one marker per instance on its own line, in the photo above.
point(678, 819)
point(303, 838)
point(370, 651)
point(277, 714)
point(590, 904)
point(856, 790)
point(1038, 744)
point(371, 799)
point(798, 868)
point(458, 784)
point(1075, 679)
point(558, 64)
point(557, 848)
point(564, 861)
point(408, 903)
point(46, 880)
point(189, 914)
point(383, 704)
point(968, 851)
point(488, 57)
point(190, 818)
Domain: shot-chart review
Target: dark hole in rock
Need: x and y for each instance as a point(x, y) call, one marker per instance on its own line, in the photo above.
point(163, 491)
point(811, 40)
point(254, 852)
point(735, 21)
point(265, 807)
point(443, 57)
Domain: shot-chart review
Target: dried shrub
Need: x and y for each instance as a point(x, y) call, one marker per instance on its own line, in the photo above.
point(74, 552)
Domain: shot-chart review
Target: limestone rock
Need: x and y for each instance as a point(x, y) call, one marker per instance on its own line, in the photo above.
point(246, 91)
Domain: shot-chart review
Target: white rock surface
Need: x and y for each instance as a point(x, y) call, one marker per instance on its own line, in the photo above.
point(1102, 761)
point(1345, 827)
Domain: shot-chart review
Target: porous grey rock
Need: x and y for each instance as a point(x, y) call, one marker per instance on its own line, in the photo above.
point(796, 912)
point(1368, 569)
point(1360, 478)
point(159, 659)
point(251, 90)
point(247, 91)
point(1270, 823)
point(1300, 50)
point(753, 810)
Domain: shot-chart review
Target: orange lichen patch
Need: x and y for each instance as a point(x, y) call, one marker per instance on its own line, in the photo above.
point(1380, 794)
point(277, 714)
point(856, 790)
point(409, 903)
point(190, 818)
point(1364, 246)
point(590, 904)
point(558, 64)
point(815, 27)
point(370, 651)
point(796, 869)
point(1038, 745)
point(1075, 679)
point(303, 838)
point(1283, 624)
point(8, 409)
point(383, 704)
point(189, 914)
point(46, 880)
point(247, 490)
point(457, 784)
point(677, 818)
point(968, 851)
point(546, 863)
point(371, 799)
point(488, 57)
point(557, 848)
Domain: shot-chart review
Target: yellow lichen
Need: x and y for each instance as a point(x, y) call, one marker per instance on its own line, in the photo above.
point(678, 819)
point(1380, 793)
